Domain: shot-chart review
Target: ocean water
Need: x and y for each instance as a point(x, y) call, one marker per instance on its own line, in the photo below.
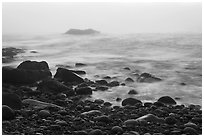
point(176, 58)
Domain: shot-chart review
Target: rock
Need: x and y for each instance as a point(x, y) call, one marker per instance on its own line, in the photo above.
point(117, 130)
point(39, 104)
point(130, 101)
point(126, 68)
point(190, 131)
point(96, 132)
point(83, 91)
point(122, 84)
point(175, 132)
point(148, 104)
point(34, 65)
point(33, 51)
point(167, 100)
point(150, 118)
point(92, 112)
point(82, 32)
point(107, 104)
point(61, 122)
point(129, 80)
point(67, 76)
point(55, 127)
point(132, 91)
point(159, 104)
point(192, 125)
point(44, 113)
point(148, 78)
point(101, 82)
point(79, 72)
point(101, 88)
point(99, 101)
point(133, 133)
point(170, 120)
point(12, 100)
point(22, 76)
point(103, 118)
point(107, 77)
point(7, 113)
point(130, 123)
point(82, 132)
point(62, 112)
point(54, 86)
point(113, 84)
point(118, 99)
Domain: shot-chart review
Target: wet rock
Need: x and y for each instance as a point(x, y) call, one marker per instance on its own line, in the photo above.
point(101, 88)
point(103, 118)
point(159, 104)
point(132, 92)
point(117, 130)
point(54, 86)
point(126, 68)
point(107, 77)
point(33, 51)
point(130, 101)
point(118, 99)
point(62, 112)
point(55, 127)
point(129, 80)
point(44, 113)
point(23, 76)
point(148, 104)
point(170, 120)
point(67, 76)
point(167, 100)
point(148, 78)
point(113, 84)
point(176, 132)
point(96, 132)
point(122, 84)
point(130, 123)
point(107, 104)
point(101, 82)
point(83, 91)
point(7, 113)
point(12, 100)
point(190, 124)
point(190, 131)
point(80, 64)
point(34, 65)
point(79, 72)
point(150, 118)
point(99, 101)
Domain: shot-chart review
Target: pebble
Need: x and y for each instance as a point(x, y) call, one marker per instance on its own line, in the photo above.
point(118, 99)
point(116, 130)
point(61, 122)
point(44, 113)
point(113, 84)
point(150, 118)
point(189, 130)
point(103, 118)
point(170, 120)
point(167, 100)
point(82, 132)
point(129, 80)
point(92, 112)
point(130, 101)
point(107, 104)
point(96, 132)
point(7, 113)
point(99, 101)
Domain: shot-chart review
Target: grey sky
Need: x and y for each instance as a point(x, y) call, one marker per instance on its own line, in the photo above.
point(42, 18)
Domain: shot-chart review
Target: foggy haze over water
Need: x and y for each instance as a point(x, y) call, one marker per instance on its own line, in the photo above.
point(119, 18)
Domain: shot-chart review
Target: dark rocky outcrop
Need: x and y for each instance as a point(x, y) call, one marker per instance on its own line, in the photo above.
point(148, 78)
point(67, 76)
point(82, 32)
point(12, 100)
point(34, 65)
point(130, 101)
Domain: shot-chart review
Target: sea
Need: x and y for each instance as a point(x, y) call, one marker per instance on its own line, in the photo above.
point(176, 58)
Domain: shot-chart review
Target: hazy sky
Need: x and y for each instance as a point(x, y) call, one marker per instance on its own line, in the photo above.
point(42, 18)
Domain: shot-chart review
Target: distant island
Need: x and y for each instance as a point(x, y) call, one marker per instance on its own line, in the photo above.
point(82, 32)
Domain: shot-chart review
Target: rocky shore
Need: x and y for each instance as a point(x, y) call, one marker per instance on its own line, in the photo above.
point(35, 102)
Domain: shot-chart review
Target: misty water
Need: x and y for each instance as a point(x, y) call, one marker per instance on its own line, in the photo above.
point(175, 58)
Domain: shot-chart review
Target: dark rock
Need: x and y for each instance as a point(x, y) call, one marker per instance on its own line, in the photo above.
point(55, 127)
point(103, 118)
point(117, 130)
point(113, 84)
point(54, 86)
point(7, 113)
point(107, 104)
point(122, 84)
point(190, 124)
point(170, 120)
point(67, 76)
point(148, 78)
point(99, 101)
point(12, 100)
point(96, 132)
point(101, 82)
point(167, 100)
point(132, 91)
point(44, 113)
point(79, 64)
point(183, 84)
point(107, 77)
point(33, 51)
point(61, 122)
point(118, 99)
point(190, 131)
point(126, 68)
point(63, 112)
point(102, 88)
point(79, 72)
point(129, 80)
point(82, 32)
point(130, 101)
point(83, 91)
point(34, 65)
point(21, 76)
point(158, 104)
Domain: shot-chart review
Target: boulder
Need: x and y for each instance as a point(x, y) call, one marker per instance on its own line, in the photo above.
point(147, 78)
point(83, 91)
point(54, 86)
point(34, 65)
point(12, 100)
point(7, 113)
point(22, 76)
point(130, 101)
point(67, 76)
point(167, 100)
point(82, 32)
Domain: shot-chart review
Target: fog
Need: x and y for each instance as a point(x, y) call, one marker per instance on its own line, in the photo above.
point(119, 18)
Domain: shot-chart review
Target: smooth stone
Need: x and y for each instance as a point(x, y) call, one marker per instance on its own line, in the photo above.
point(129, 80)
point(99, 101)
point(101, 88)
point(190, 124)
point(151, 118)
point(159, 104)
point(7, 113)
point(113, 84)
point(118, 99)
point(116, 130)
point(34, 65)
point(130, 101)
point(189, 130)
point(83, 91)
point(167, 100)
point(170, 120)
point(82, 132)
point(107, 104)
point(132, 92)
point(96, 132)
point(12, 100)
point(44, 113)
point(92, 112)
point(67, 76)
